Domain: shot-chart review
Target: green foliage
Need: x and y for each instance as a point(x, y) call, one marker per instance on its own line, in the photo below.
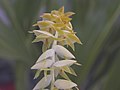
point(96, 23)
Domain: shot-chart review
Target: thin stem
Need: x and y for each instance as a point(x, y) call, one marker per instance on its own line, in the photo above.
point(52, 72)
point(53, 79)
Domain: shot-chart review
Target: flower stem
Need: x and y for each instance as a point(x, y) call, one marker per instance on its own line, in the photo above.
point(52, 71)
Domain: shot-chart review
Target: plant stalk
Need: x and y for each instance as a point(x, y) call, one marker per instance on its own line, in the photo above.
point(52, 72)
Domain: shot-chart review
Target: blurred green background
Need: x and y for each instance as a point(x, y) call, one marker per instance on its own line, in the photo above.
point(97, 23)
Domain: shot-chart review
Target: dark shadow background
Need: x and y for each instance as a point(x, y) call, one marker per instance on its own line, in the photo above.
point(97, 23)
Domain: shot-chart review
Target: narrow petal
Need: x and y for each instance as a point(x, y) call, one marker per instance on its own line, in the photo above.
point(38, 32)
point(45, 23)
point(61, 9)
point(73, 37)
point(64, 75)
point(68, 14)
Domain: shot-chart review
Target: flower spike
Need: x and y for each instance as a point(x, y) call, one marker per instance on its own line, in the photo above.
point(55, 31)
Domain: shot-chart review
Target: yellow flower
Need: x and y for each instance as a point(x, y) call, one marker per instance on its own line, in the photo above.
point(58, 21)
point(69, 38)
point(60, 18)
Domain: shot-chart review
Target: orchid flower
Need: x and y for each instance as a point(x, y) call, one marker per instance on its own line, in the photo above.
point(55, 31)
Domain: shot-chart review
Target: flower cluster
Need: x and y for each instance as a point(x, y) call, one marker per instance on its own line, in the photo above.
point(55, 31)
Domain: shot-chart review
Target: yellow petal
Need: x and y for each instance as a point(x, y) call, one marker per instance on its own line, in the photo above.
point(69, 28)
point(47, 16)
point(35, 24)
point(70, 43)
point(42, 36)
point(54, 12)
point(46, 45)
point(74, 37)
point(37, 40)
point(55, 88)
point(61, 32)
point(69, 14)
point(70, 25)
point(56, 18)
point(69, 70)
point(44, 23)
point(66, 19)
point(61, 9)
point(64, 75)
point(72, 71)
point(59, 25)
point(66, 69)
point(43, 32)
point(58, 39)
